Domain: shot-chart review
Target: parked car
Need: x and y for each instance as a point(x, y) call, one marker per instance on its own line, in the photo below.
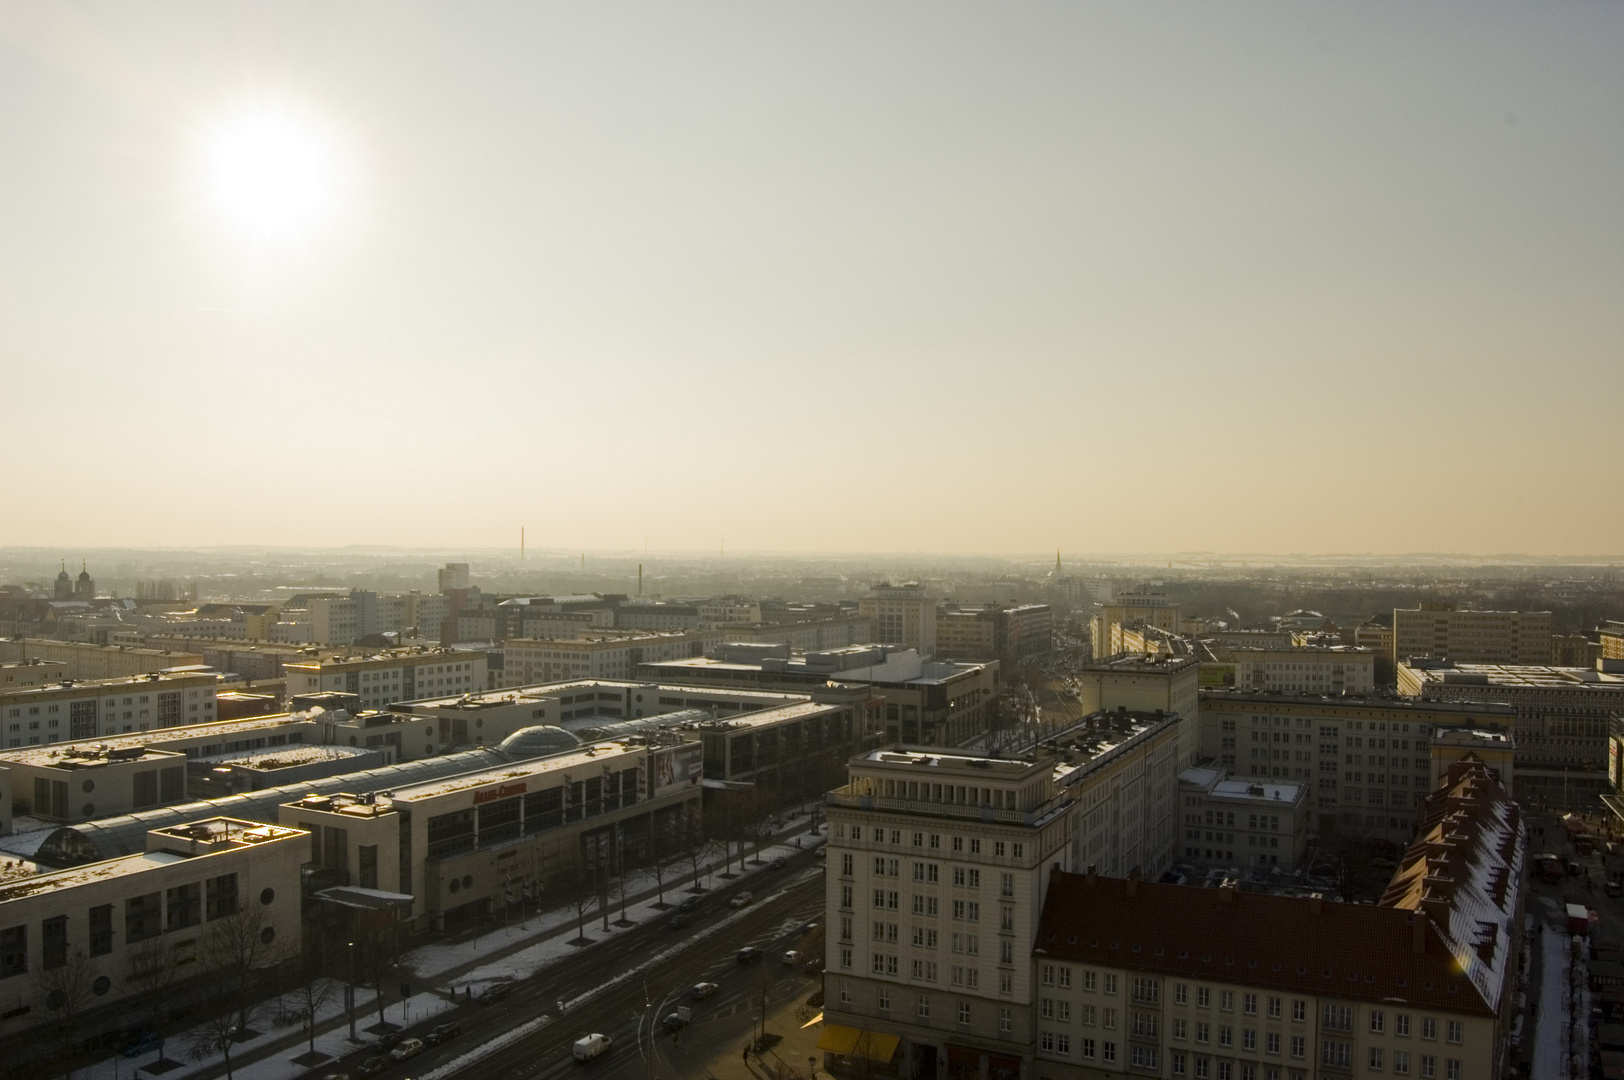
point(741, 900)
point(792, 958)
point(443, 1033)
point(814, 965)
point(821, 853)
point(146, 1041)
point(408, 1048)
point(809, 927)
point(679, 920)
point(372, 1066)
point(702, 990)
point(496, 991)
point(749, 954)
point(690, 903)
point(588, 1047)
point(778, 863)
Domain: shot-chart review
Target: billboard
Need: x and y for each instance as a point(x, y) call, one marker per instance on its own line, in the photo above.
point(681, 765)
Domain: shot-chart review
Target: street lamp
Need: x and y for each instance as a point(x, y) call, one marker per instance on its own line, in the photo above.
point(349, 950)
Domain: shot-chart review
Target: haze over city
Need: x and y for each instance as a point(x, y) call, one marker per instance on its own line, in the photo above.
point(1105, 278)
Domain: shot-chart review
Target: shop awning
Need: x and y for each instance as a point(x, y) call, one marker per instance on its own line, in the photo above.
point(854, 1042)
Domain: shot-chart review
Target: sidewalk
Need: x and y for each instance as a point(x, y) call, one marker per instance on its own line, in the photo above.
point(442, 969)
point(795, 1049)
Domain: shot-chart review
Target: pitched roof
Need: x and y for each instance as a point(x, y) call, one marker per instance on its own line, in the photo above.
point(1294, 944)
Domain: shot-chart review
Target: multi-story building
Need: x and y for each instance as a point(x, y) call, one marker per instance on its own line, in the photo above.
point(804, 635)
point(728, 611)
point(1611, 639)
point(1146, 684)
point(1365, 761)
point(1140, 978)
point(1321, 669)
point(1473, 637)
point(87, 661)
point(88, 709)
point(936, 868)
point(1562, 717)
point(346, 620)
point(1575, 649)
point(19, 674)
point(383, 678)
point(901, 615)
point(1005, 631)
point(656, 615)
point(606, 654)
point(98, 927)
point(1257, 824)
point(1134, 608)
point(1496, 750)
point(937, 865)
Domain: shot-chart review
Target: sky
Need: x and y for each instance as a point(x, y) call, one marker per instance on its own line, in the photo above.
point(933, 277)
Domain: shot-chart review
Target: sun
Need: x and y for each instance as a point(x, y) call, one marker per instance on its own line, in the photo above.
point(271, 172)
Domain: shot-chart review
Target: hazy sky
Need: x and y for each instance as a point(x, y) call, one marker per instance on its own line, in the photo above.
point(840, 276)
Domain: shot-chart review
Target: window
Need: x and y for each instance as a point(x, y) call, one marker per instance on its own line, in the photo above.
point(1108, 1018)
point(1178, 1030)
point(1006, 884)
point(54, 942)
point(846, 867)
point(1202, 1032)
point(964, 1012)
point(1226, 1035)
point(845, 959)
point(1274, 1008)
point(1452, 1069)
point(1249, 1040)
point(1006, 1021)
point(1429, 1028)
point(1144, 1057)
point(1177, 1061)
point(1226, 1000)
point(845, 992)
point(1146, 989)
point(1271, 1043)
point(1375, 1059)
point(1086, 1015)
point(1401, 1062)
point(13, 951)
point(1107, 1051)
point(1378, 1022)
point(1454, 1031)
point(1299, 1011)
point(1201, 1068)
point(1086, 1048)
point(1249, 1004)
point(1203, 997)
point(923, 1007)
point(1429, 1066)
point(1338, 1018)
point(845, 896)
point(1180, 994)
point(101, 930)
point(1401, 1024)
point(1063, 976)
point(1110, 983)
point(1299, 1046)
point(1336, 1054)
point(141, 917)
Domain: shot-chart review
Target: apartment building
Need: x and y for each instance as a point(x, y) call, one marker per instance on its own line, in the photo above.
point(1315, 669)
point(108, 921)
point(1146, 684)
point(56, 712)
point(345, 620)
point(1135, 608)
point(1562, 717)
point(599, 655)
point(1611, 638)
point(1140, 978)
point(86, 661)
point(805, 635)
point(1006, 631)
point(1472, 637)
point(18, 674)
point(937, 864)
point(901, 615)
point(1365, 761)
point(383, 678)
point(1241, 823)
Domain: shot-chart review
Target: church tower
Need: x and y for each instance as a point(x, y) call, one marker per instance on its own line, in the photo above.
point(64, 584)
point(85, 587)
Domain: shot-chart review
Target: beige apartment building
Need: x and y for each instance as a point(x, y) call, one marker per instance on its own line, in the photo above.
point(1366, 761)
point(87, 661)
point(383, 678)
point(604, 654)
point(1146, 684)
point(1612, 641)
point(1132, 609)
point(1135, 978)
point(91, 708)
point(20, 674)
point(1472, 637)
point(108, 921)
point(1258, 824)
point(901, 615)
point(1314, 669)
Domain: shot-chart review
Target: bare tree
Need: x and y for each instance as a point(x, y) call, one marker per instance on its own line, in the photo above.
point(311, 996)
point(695, 850)
point(236, 950)
point(151, 977)
point(67, 991)
point(219, 1033)
point(657, 859)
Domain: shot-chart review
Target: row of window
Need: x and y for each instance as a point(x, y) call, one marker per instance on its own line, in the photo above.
point(930, 841)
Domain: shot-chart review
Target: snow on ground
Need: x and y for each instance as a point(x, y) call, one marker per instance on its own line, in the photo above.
point(1552, 1012)
point(512, 1035)
point(432, 961)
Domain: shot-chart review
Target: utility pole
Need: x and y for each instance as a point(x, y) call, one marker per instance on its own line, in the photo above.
point(349, 949)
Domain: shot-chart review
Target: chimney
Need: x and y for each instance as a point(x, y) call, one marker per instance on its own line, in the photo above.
point(1133, 886)
point(1315, 900)
point(1418, 932)
point(1226, 894)
point(1436, 905)
point(1091, 874)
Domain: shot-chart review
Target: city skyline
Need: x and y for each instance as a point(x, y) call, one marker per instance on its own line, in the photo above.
point(1158, 279)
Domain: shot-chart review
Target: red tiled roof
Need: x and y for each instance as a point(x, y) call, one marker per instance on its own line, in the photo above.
point(1293, 944)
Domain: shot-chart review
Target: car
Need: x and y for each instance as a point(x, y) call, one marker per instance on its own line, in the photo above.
point(808, 927)
point(677, 1019)
point(590, 1046)
point(336, 1076)
point(792, 958)
point(1614, 888)
point(408, 1048)
point(496, 991)
point(679, 920)
point(147, 1041)
point(443, 1033)
point(741, 900)
point(701, 990)
point(821, 853)
point(778, 863)
point(372, 1066)
point(814, 965)
point(749, 954)
point(690, 903)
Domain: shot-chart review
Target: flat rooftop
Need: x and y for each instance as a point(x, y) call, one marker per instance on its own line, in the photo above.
point(1352, 701)
point(475, 700)
point(966, 764)
point(1531, 675)
point(587, 757)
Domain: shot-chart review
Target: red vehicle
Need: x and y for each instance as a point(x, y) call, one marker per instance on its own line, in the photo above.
point(1551, 868)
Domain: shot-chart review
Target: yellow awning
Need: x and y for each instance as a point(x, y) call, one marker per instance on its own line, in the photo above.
point(818, 1019)
point(852, 1042)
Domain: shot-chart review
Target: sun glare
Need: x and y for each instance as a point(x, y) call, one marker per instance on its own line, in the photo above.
point(271, 173)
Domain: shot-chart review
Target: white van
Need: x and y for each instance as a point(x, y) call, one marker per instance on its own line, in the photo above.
point(588, 1047)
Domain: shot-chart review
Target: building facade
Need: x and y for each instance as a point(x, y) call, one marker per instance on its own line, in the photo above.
point(92, 708)
point(901, 615)
point(1471, 637)
point(381, 679)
